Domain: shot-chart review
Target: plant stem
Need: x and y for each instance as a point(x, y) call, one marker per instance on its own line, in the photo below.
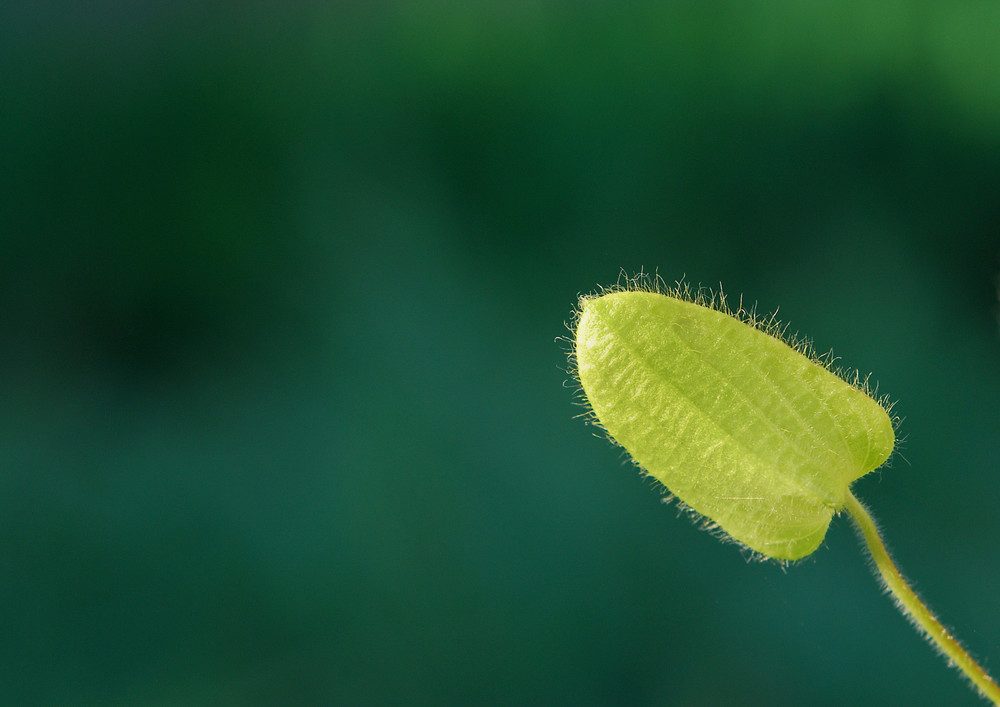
point(914, 609)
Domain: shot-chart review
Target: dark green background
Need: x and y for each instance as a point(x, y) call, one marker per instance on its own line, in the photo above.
point(284, 417)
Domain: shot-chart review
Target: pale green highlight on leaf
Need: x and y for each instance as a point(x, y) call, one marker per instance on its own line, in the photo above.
point(740, 426)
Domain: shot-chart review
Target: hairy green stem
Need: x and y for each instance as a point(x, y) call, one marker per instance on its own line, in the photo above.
point(914, 609)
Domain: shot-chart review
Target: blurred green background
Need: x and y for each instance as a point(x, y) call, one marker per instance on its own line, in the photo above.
point(285, 419)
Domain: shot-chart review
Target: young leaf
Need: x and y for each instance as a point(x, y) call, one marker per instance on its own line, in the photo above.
point(741, 427)
point(754, 434)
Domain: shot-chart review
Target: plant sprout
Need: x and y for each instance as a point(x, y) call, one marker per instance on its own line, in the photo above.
point(752, 433)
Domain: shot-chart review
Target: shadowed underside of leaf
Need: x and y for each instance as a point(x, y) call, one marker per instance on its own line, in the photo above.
point(744, 429)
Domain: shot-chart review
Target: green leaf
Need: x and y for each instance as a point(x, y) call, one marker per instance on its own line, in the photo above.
point(744, 429)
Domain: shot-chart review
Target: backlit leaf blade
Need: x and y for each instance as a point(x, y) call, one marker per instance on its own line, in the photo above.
point(741, 427)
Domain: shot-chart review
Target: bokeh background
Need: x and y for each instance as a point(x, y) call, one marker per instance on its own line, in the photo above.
point(283, 410)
